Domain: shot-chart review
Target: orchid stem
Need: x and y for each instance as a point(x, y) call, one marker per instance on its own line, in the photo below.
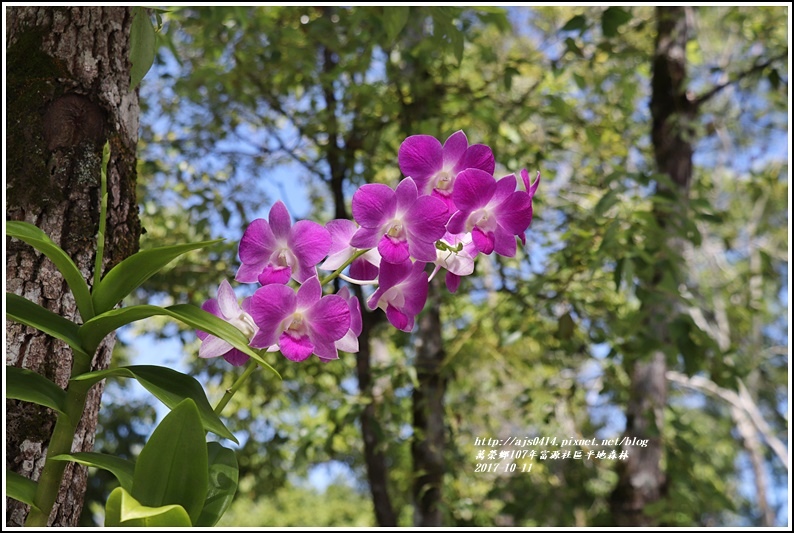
point(227, 396)
point(103, 214)
point(335, 274)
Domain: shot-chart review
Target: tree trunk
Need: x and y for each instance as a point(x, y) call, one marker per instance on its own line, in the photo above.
point(68, 77)
point(428, 443)
point(642, 481)
point(374, 458)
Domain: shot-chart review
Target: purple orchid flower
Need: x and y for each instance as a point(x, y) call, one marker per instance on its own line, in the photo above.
point(456, 254)
point(225, 306)
point(362, 268)
point(300, 323)
point(349, 343)
point(435, 167)
point(492, 210)
point(402, 292)
point(399, 222)
point(273, 250)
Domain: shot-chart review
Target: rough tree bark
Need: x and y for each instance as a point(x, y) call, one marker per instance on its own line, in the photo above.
point(642, 481)
point(68, 77)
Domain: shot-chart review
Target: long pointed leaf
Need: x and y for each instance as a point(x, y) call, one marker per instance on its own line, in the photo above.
point(20, 488)
point(93, 331)
point(123, 469)
point(168, 386)
point(223, 479)
point(26, 385)
point(74, 278)
point(136, 269)
point(122, 510)
point(31, 314)
point(172, 468)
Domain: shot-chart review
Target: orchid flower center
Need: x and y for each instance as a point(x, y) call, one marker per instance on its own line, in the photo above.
point(443, 181)
point(297, 326)
point(481, 219)
point(396, 230)
point(245, 323)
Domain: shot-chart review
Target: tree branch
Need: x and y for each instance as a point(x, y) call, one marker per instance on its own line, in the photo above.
point(700, 100)
point(741, 401)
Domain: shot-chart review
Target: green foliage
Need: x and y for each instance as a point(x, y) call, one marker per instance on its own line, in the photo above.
point(20, 488)
point(172, 468)
point(122, 469)
point(338, 506)
point(128, 275)
point(26, 385)
point(142, 45)
point(170, 387)
point(123, 510)
point(223, 478)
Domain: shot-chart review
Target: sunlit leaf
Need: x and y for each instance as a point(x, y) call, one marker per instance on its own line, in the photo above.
point(20, 488)
point(172, 468)
point(142, 45)
point(121, 468)
point(223, 474)
point(613, 18)
point(170, 387)
point(93, 331)
point(136, 269)
point(122, 510)
point(31, 314)
point(26, 385)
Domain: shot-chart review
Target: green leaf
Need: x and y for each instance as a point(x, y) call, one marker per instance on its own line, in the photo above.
point(168, 386)
point(394, 20)
point(93, 331)
point(577, 22)
point(173, 466)
point(223, 477)
point(612, 19)
point(136, 269)
point(20, 488)
point(124, 510)
point(123, 469)
point(26, 385)
point(142, 45)
point(41, 242)
point(31, 314)
point(609, 199)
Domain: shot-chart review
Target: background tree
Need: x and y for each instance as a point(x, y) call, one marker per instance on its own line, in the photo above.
point(68, 89)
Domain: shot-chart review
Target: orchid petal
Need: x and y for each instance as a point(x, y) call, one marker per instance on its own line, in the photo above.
point(274, 274)
point(374, 204)
point(478, 156)
point(308, 294)
point(392, 250)
point(235, 357)
point(329, 319)
point(398, 319)
point(213, 346)
point(420, 156)
point(295, 349)
point(280, 221)
point(454, 149)
point(473, 189)
point(270, 305)
point(257, 242)
point(483, 241)
point(227, 301)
